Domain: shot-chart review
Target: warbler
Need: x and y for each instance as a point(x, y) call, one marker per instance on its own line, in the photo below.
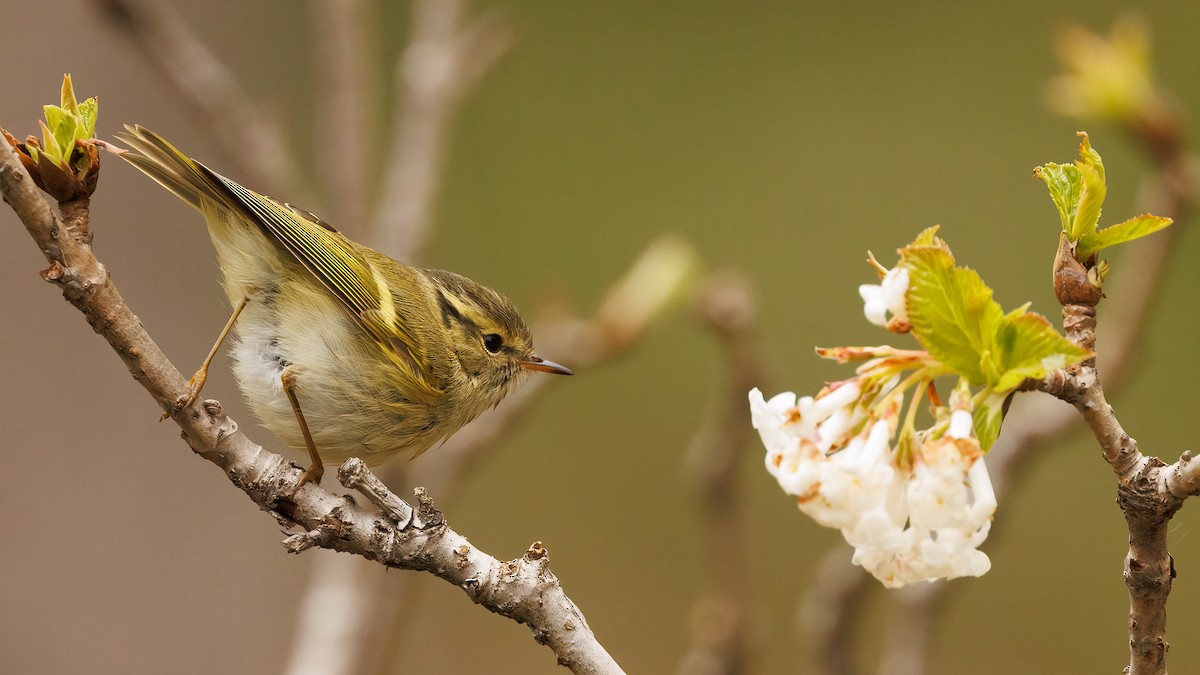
point(337, 348)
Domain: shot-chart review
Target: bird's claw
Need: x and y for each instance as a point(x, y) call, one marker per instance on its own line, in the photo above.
point(195, 384)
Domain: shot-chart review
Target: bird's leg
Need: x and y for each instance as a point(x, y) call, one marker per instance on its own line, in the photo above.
point(196, 382)
point(317, 469)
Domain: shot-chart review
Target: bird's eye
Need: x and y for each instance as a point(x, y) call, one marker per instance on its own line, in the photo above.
point(493, 342)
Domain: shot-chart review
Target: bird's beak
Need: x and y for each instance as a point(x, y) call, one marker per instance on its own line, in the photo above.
point(538, 363)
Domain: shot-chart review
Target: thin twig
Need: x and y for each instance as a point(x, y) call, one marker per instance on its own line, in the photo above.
point(1142, 492)
point(252, 141)
point(523, 589)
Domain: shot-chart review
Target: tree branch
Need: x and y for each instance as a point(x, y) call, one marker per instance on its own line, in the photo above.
point(1142, 493)
point(396, 536)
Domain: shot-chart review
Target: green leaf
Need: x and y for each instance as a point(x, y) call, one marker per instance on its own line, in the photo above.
point(986, 419)
point(955, 318)
point(1134, 228)
point(62, 125)
point(1027, 346)
point(928, 237)
point(89, 110)
point(1064, 183)
point(68, 95)
point(951, 310)
point(50, 146)
point(1091, 196)
point(1078, 190)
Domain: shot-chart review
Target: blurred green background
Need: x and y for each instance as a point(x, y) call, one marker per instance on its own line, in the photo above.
point(783, 139)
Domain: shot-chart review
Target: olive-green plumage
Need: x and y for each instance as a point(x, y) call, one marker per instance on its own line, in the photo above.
point(383, 358)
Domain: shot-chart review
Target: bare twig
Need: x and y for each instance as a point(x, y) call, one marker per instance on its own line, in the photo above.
point(254, 143)
point(719, 615)
point(523, 589)
point(1144, 495)
point(442, 62)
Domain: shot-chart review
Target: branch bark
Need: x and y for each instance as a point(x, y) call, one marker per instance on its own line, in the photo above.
point(1143, 492)
point(396, 535)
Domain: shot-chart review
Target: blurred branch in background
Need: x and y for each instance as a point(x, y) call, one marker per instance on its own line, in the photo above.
point(447, 55)
point(718, 623)
point(342, 66)
point(253, 142)
point(1107, 79)
point(830, 610)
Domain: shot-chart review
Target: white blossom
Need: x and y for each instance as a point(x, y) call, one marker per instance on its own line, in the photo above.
point(949, 503)
point(920, 523)
point(887, 297)
point(961, 424)
point(853, 481)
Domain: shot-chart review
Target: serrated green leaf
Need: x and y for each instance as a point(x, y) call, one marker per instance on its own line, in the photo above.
point(986, 419)
point(951, 310)
point(1091, 195)
point(928, 237)
point(89, 111)
point(1027, 346)
point(1134, 228)
point(1064, 182)
point(62, 126)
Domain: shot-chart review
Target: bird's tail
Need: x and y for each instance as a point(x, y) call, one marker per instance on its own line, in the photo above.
point(186, 178)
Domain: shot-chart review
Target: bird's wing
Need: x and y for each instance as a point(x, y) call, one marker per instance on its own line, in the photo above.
point(327, 254)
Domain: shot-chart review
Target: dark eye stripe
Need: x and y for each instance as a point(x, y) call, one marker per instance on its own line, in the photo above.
point(449, 311)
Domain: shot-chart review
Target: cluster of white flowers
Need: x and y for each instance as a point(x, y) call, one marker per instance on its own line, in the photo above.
point(914, 520)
